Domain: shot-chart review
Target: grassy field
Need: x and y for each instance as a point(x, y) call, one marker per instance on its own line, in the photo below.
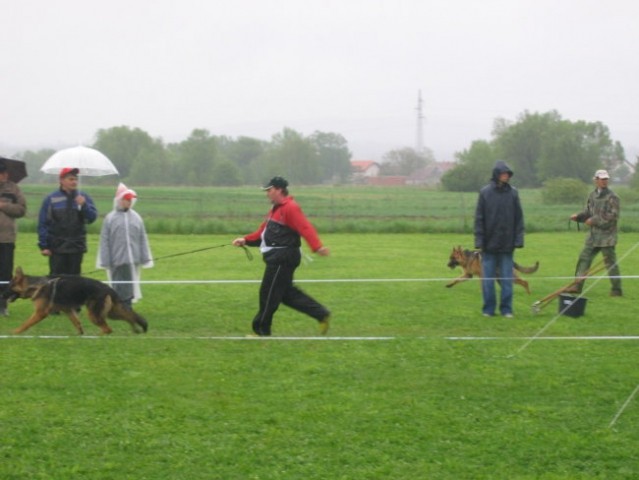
point(411, 383)
point(338, 209)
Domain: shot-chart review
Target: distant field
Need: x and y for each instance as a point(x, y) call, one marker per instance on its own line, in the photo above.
point(338, 209)
point(411, 383)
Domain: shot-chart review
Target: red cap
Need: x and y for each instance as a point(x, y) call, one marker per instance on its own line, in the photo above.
point(129, 196)
point(69, 171)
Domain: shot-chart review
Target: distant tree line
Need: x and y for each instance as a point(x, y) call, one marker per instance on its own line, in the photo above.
point(538, 147)
point(205, 159)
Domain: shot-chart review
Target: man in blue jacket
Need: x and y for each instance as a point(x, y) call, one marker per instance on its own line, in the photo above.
point(499, 229)
point(62, 234)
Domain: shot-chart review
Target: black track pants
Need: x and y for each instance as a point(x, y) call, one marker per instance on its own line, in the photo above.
point(277, 287)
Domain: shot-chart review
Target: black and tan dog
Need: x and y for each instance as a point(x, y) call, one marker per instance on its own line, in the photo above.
point(67, 293)
point(470, 262)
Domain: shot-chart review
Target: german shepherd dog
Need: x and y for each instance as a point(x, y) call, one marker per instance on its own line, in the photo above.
point(67, 293)
point(470, 262)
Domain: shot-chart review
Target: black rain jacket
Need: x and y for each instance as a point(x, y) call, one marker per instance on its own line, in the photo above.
point(499, 219)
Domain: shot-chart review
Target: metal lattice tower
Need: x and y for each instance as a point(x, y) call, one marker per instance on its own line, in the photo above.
point(419, 140)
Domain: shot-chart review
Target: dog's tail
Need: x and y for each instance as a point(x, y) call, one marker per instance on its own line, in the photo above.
point(119, 311)
point(532, 269)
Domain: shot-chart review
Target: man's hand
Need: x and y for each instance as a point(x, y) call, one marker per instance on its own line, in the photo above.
point(239, 242)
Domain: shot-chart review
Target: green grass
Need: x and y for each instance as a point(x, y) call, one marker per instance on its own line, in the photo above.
point(177, 404)
point(339, 209)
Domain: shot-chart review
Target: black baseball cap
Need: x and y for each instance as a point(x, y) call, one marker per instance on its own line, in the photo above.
point(275, 182)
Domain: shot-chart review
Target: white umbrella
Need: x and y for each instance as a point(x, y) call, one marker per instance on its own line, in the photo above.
point(89, 161)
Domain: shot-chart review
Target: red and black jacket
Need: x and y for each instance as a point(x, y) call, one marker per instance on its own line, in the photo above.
point(284, 225)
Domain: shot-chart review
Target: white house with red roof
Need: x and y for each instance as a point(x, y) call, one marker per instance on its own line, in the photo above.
point(363, 169)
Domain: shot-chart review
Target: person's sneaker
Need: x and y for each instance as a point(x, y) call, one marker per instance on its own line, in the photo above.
point(508, 315)
point(325, 323)
point(486, 314)
point(616, 293)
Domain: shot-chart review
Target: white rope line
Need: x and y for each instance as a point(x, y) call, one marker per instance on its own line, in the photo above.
point(623, 407)
point(345, 280)
point(186, 337)
point(348, 339)
point(328, 337)
point(576, 337)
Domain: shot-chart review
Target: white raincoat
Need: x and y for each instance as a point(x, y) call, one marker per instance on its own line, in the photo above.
point(123, 241)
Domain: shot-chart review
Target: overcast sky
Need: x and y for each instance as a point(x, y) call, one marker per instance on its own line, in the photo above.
point(354, 67)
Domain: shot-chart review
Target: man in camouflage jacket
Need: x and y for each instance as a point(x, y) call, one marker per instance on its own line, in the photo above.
point(601, 215)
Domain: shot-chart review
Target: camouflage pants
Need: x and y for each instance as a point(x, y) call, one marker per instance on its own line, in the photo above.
point(610, 261)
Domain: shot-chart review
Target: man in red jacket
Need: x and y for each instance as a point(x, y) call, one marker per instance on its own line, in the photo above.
point(279, 240)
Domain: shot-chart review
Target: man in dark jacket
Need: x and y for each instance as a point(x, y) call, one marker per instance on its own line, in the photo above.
point(279, 240)
point(62, 234)
point(499, 229)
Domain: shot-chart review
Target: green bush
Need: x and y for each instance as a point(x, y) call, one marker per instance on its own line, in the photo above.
point(564, 191)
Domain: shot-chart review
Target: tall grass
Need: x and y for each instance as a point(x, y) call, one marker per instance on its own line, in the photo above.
point(339, 209)
point(193, 399)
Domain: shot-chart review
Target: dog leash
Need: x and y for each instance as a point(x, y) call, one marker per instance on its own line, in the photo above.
point(570, 225)
point(249, 255)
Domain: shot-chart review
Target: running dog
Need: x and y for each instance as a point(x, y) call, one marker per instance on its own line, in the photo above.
point(67, 293)
point(470, 262)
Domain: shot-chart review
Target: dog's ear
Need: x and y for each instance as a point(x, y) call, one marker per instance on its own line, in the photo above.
point(19, 272)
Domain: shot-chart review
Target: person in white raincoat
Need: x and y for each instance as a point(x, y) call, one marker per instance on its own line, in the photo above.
point(124, 246)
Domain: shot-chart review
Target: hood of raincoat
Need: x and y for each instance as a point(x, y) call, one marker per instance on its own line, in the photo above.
point(121, 192)
point(499, 168)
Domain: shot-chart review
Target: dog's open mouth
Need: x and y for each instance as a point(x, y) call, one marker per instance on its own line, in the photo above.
point(10, 296)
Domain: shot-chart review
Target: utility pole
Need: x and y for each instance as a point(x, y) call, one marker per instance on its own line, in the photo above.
point(419, 141)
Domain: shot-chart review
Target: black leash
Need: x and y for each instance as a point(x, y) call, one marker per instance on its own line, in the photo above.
point(570, 223)
point(249, 255)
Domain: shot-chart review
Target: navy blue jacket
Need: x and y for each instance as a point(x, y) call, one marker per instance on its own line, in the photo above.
point(62, 225)
point(499, 219)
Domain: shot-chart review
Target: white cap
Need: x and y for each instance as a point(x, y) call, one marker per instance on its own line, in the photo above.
point(601, 174)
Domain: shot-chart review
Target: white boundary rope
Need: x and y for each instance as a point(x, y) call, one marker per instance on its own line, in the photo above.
point(341, 280)
point(249, 338)
point(322, 338)
point(347, 339)
point(528, 340)
point(623, 407)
